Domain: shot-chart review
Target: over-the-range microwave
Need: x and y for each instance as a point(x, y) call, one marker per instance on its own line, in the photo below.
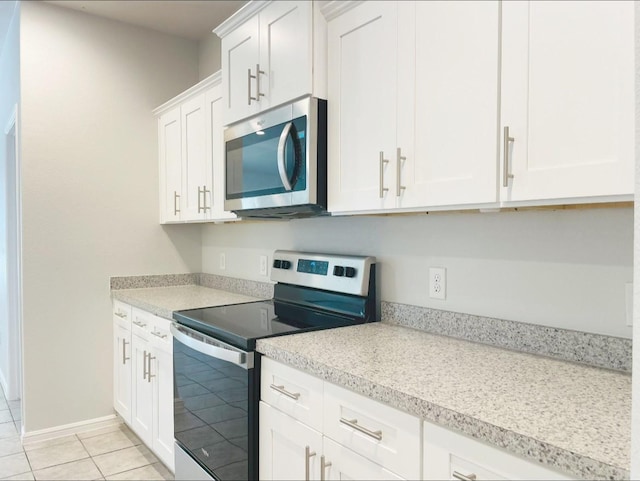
point(276, 162)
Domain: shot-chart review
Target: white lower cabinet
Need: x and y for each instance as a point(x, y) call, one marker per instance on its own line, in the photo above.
point(289, 449)
point(122, 360)
point(352, 437)
point(450, 455)
point(143, 378)
point(355, 437)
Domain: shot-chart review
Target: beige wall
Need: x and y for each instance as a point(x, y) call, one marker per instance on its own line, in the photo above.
point(209, 55)
point(557, 268)
point(90, 196)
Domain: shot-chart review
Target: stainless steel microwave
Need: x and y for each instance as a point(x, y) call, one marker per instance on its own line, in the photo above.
point(276, 162)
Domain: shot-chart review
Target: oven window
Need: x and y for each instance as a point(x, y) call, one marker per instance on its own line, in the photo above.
point(252, 161)
point(211, 418)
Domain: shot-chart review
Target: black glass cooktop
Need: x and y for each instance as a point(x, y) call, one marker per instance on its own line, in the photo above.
point(242, 324)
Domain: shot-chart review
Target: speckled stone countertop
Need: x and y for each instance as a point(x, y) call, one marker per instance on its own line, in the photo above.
point(162, 301)
point(571, 417)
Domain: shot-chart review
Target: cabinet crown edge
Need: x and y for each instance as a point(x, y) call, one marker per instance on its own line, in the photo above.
point(241, 16)
point(334, 8)
point(204, 84)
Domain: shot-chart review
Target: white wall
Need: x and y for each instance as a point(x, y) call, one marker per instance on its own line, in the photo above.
point(209, 55)
point(9, 97)
point(90, 196)
point(557, 268)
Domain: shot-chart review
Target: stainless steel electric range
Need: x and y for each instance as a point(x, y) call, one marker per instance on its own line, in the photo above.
point(217, 370)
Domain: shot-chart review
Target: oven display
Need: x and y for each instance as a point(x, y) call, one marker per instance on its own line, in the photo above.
point(313, 267)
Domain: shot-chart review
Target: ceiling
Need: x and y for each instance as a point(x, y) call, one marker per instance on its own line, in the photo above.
point(184, 18)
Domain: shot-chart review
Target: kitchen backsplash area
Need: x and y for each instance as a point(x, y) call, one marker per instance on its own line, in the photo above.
point(566, 269)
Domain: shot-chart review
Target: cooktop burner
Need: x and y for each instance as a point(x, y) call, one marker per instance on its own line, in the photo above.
point(242, 324)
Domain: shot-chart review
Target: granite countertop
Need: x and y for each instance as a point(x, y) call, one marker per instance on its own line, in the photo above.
point(571, 417)
point(162, 301)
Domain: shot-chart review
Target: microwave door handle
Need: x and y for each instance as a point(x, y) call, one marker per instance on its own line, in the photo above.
point(282, 167)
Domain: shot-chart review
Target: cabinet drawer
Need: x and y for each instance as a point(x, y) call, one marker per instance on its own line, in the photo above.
point(160, 333)
point(292, 391)
point(447, 452)
point(122, 314)
point(385, 435)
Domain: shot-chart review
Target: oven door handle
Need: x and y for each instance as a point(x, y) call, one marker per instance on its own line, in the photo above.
point(192, 339)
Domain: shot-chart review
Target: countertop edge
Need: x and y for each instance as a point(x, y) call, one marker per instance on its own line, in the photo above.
point(145, 306)
point(530, 448)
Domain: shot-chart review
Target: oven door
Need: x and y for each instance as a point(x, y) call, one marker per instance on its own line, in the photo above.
point(215, 410)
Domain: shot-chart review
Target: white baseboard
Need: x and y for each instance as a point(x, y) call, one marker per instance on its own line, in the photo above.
point(73, 428)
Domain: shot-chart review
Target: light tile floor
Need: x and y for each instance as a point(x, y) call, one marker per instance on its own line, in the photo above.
point(112, 453)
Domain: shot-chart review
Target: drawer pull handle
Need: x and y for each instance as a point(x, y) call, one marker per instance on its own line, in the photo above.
point(157, 334)
point(121, 315)
point(282, 390)
point(307, 455)
point(353, 423)
point(139, 324)
point(464, 477)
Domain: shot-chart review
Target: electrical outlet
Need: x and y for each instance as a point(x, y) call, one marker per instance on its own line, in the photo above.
point(437, 283)
point(628, 291)
point(264, 262)
point(223, 261)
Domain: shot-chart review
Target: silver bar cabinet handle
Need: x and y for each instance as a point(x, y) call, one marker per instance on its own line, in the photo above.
point(307, 455)
point(144, 365)
point(464, 477)
point(205, 208)
point(400, 158)
point(257, 77)
point(249, 77)
point(323, 466)
point(157, 334)
point(353, 423)
point(139, 324)
point(282, 390)
point(124, 352)
point(149, 375)
point(383, 161)
point(176, 209)
point(121, 315)
point(505, 147)
point(199, 205)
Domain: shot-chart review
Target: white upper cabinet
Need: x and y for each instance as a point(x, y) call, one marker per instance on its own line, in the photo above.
point(169, 150)
point(413, 105)
point(362, 120)
point(191, 152)
point(447, 103)
point(567, 100)
point(272, 53)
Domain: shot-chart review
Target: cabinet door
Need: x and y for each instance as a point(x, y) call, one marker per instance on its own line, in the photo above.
point(122, 371)
point(196, 171)
point(362, 91)
point(161, 373)
point(568, 98)
point(288, 448)
point(342, 463)
point(142, 392)
point(169, 136)
point(214, 199)
point(240, 55)
point(286, 52)
point(448, 110)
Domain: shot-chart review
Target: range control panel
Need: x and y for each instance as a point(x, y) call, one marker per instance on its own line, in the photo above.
point(339, 273)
